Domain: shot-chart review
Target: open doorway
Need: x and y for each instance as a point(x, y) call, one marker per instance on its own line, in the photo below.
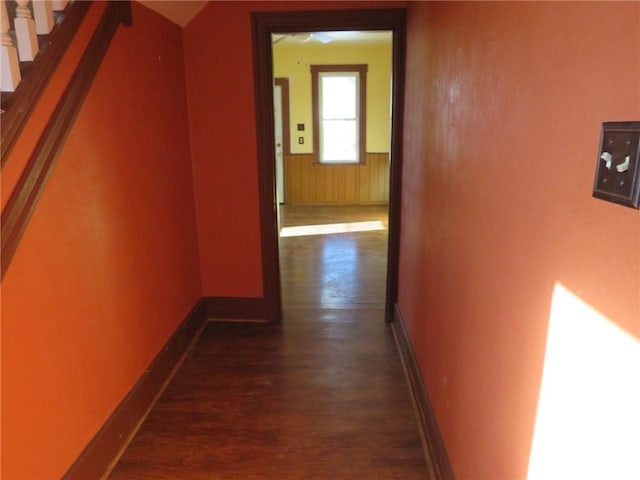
point(332, 181)
point(264, 26)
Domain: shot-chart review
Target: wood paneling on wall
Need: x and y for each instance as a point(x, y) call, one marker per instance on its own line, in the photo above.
point(306, 182)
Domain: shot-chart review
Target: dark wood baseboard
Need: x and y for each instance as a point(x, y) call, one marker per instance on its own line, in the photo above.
point(427, 419)
point(103, 451)
point(233, 309)
point(105, 448)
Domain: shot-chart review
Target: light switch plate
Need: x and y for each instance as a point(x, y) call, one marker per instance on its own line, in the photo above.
point(618, 169)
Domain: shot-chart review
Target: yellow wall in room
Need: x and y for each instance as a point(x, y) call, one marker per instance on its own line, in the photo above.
point(293, 62)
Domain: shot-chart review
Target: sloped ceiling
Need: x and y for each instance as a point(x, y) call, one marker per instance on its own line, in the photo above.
point(179, 12)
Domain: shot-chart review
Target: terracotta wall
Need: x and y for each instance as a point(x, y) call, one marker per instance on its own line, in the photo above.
point(502, 125)
point(220, 89)
point(108, 267)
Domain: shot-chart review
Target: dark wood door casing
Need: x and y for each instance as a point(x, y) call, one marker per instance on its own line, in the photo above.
point(283, 83)
point(263, 25)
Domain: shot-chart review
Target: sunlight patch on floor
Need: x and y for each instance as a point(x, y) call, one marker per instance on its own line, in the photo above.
point(330, 228)
point(588, 419)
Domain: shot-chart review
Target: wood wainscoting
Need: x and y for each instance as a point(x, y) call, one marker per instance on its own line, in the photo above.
point(308, 182)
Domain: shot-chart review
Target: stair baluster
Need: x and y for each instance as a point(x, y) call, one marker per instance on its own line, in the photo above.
point(25, 32)
point(43, 16)
point(10, 69)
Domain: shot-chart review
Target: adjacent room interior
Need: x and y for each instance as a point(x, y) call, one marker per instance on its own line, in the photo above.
point(337, 183)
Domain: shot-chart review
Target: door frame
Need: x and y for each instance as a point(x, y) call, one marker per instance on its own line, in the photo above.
point(263, 25)
point(283, 83)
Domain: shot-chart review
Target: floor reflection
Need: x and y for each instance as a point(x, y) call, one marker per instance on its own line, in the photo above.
point(344, 266)
point(339, 267)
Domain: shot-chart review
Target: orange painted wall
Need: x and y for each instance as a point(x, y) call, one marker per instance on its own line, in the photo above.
point(220, 89)
point(108, 266)
point(504, 107)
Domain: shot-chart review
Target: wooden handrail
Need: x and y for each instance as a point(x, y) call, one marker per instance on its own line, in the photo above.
point(23, 200)
point(25, 98)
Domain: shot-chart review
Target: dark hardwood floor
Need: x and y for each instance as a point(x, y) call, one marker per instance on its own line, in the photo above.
point(320, 396)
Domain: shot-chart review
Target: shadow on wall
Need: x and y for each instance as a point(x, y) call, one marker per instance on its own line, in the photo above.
point(588, 419)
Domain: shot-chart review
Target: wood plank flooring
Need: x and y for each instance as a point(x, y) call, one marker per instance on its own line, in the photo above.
point(320, 396)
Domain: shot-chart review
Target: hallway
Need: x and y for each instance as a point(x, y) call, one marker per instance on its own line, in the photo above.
point(322, 395)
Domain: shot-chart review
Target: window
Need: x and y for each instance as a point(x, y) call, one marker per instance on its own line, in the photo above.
point(339, 113)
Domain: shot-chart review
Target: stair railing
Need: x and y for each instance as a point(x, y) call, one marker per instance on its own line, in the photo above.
point(26, 193)
point(23, 81)
point(20, 43)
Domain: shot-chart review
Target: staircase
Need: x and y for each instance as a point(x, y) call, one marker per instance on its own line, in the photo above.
point(29, 60)
point(25, 33)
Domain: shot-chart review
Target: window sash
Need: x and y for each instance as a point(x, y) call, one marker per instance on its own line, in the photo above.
point(339, 129)
point(339, 141)
point(339, 120)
